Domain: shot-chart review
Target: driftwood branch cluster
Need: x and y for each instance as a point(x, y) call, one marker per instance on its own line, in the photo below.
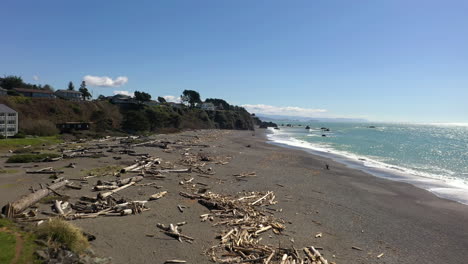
point(246, 220)
point(108, 207)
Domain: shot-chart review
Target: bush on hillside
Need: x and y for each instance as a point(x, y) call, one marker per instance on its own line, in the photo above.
point(135, 121)
point(39, 128)
point(101, 121)
point(59, 111)
point(160, 117)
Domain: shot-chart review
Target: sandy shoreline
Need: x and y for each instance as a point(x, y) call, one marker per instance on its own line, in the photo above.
point(349, 207)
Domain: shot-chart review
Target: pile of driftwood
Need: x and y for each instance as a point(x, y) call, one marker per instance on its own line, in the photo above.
point(173, 231)
point(106, 207)
point(200, 159)
point(115, 186)
point(142, 164)
point(14, 209)
point(87, 207)
point(82, 153)
point(190, 159)
point(245, 219)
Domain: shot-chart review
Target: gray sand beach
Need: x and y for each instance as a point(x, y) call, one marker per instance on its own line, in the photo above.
point(348, 207)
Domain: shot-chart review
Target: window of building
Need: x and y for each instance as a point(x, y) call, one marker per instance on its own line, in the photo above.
point(11, 114)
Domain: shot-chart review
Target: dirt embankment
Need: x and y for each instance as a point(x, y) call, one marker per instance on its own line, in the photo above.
point(33, 112)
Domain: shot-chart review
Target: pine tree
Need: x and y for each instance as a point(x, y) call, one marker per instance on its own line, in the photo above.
point(84, 91)
point(71, 87)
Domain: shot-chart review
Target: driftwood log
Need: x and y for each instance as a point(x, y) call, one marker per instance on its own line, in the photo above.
point(48, 170)
point(157, 196)
point(106, 194)
point(26, 201)
point(58, 207)
point(189, 170)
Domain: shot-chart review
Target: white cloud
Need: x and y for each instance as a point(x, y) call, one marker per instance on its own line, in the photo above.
point(105, 81)
point(124, 93)
point(284, 110)
point(35, 77)
point(172, 98)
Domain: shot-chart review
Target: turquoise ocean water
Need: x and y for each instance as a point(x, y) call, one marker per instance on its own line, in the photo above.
point(431, 156)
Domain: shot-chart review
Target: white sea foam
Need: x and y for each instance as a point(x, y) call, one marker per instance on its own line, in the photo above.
point(443, 185)
point(447, 124)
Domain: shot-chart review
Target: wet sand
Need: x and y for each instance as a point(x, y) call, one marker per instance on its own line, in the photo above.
point(349, 207)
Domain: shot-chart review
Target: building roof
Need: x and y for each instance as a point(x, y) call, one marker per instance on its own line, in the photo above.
point(74, 123)
point(121, 96)
point(6, 109)
point(25, 90)
point(68, 91)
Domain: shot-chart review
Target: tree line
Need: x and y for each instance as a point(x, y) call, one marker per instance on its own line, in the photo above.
point(188, 97)
point(10, 82)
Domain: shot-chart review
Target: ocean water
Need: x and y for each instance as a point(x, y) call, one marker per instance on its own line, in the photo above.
point(430, 156)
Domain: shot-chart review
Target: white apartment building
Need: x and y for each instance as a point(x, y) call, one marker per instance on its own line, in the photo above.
point(8, 121)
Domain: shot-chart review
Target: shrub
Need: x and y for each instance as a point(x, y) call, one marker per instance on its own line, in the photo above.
point(23, 150)
point(204, 116)
point(61, 232)
point(39, 128)
point(76, 109)
point(25, 158)
point(135, 121)
point(19, 99)
point(52, 110)
point(19, 135)
point(13, 93)
point(221, 120)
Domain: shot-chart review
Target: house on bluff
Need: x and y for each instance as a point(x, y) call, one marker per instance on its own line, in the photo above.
point(8, 121)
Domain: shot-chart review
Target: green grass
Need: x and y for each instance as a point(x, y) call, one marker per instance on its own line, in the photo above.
point(5, 223)
point(13, 143)
point(8, 171)
point(29, 247)
point(26, 158)
point(7, 246)
point(9, 185)
point(8, 233)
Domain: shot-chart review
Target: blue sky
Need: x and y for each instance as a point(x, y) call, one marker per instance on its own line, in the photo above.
point(382, 60)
